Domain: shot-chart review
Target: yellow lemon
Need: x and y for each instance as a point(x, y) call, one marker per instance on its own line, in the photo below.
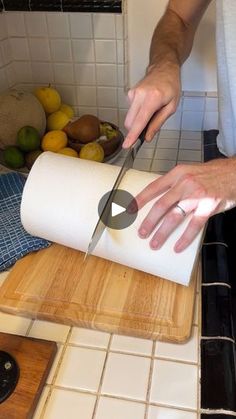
point(67, 151)
point(49, 98)
point(57, 120)
point(92, 151)
point(54, 141)
point(68, 110)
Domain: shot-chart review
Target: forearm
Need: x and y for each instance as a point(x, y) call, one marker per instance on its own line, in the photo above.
point(173, 37)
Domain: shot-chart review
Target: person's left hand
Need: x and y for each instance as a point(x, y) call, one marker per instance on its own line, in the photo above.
point(201, 190)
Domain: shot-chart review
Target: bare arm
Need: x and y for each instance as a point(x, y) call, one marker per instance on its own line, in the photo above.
point(157, 95)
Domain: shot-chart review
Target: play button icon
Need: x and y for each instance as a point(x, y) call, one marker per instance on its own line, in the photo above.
point(115, 215)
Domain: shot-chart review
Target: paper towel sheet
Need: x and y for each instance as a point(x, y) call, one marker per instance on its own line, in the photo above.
point(60, 203)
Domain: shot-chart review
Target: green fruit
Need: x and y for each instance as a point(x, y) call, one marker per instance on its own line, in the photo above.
point(13, 157)
point(31, 157)
point(28, 139)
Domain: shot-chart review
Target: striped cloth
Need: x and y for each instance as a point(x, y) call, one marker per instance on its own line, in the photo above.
point(15, 242)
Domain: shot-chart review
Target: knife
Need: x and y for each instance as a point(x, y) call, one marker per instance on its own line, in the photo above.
point(128, 164)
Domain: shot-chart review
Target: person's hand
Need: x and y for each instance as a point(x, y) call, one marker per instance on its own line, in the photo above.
point(154, 98)
point(201, 190)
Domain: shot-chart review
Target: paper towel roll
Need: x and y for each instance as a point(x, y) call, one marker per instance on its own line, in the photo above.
point(60, 203)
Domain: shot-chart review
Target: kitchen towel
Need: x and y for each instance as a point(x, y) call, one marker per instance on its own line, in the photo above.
point(15, 242)
point(60, 203)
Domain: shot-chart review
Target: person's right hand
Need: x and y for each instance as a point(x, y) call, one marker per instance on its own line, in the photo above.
point(154, 98)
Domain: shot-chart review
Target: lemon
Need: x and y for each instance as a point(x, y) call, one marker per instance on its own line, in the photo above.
point(28, 138)
point(92, 151)
point(54, 141)
point(13, 157)
point(57, 120)
point(49, 98)
point(67, 151)
point(67, 109)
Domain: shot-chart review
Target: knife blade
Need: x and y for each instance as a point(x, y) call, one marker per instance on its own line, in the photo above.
point(128, 164)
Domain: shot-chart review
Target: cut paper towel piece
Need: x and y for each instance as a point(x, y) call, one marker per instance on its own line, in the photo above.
point(60, 203)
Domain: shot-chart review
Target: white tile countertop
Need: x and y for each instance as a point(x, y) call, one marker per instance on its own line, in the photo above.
point(99, 375)
point(107, 376)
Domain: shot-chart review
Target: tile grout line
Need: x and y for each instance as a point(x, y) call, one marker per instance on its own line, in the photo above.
point(148, 394)
point(98, 392)
point(52, 385)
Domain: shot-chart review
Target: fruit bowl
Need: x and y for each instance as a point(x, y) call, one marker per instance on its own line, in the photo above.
point(112, 152)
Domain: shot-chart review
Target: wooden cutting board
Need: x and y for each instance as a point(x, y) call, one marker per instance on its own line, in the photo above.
point(55, 284)
point(34, 358)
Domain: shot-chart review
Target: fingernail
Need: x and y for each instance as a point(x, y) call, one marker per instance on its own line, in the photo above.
point(143, 232)
point(179, 247)
point(155, 244)
point(126, 144)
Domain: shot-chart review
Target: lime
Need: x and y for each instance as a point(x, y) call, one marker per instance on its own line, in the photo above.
point(13, 157)
point(28, 138)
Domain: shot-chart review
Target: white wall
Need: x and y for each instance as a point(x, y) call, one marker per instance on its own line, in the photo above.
point(198, 73)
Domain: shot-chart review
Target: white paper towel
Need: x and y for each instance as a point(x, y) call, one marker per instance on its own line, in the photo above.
point(60, 203)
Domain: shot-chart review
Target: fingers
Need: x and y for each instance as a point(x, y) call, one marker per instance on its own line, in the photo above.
point(158, 120)
point(194, 227)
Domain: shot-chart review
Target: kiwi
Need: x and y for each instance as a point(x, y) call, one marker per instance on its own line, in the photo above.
point(110, 146)
point(85, 129)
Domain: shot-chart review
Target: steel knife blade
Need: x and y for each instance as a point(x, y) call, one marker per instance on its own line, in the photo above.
point(128, 164)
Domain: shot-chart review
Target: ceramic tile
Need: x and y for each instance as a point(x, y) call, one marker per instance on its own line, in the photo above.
point(83, 110)
point(107, 96)
point(166, 154)
point(81, 368)
point(120, 75)
point(164, 133)
point(81, 25)
point(192, 155)
point(173, 123)
point(42, 72)
point(191, 135)
point(3, 79)
point(211, 120)
point(49, 331)
point(85, 74)
point(150, 144)
point(41, 403)
point(6, 51)
point(145, 153)
point(166, 413)
point(174, 384)
point(126, 375)
point(86, 96)
point(106, 74)
point(67, 404)
point(218, 366)
point(119, 26)
point(67, 93)
point(190, 144)
point(116, 409)
point(19, 49)
point(215, 266)
point(131, 345)
point(193, 93)
point(58, 25)
point(83, 50)
point(212, 94)
point(36, 24)
point(23, 71)
point(187, 351)
point(14, 324)
point(104, 26)
point(15, 24)
point(162, 165)
point(194, 104)
point(105, 51)
point(211, 104)
point(192, 121)
point(108, 114)
point(122, 98)
point(120, 52)
point(168, 143)
point(61, 50)
point(142, 164)
point(63, 73)
point(216, 313)
point(87, 337)
point(39, 49)
point(55, 364)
